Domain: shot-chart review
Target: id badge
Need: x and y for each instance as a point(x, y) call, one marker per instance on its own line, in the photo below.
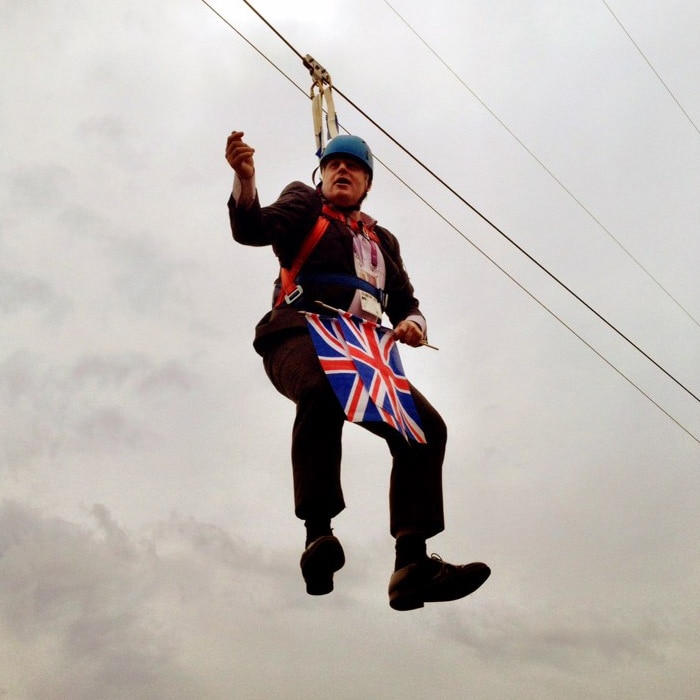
point(370, 304)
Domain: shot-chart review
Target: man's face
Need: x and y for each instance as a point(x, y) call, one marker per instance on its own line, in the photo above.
point(345, 181)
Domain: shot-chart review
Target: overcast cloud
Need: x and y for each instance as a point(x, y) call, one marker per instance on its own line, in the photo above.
point(148, 547)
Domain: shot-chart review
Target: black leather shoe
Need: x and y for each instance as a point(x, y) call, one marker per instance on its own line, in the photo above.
point(433, 581)
point(320, 560)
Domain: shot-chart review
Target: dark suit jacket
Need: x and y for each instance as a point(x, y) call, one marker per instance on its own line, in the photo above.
point(284, 225)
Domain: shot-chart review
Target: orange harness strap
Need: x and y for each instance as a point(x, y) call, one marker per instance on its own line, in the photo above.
point(290, 290)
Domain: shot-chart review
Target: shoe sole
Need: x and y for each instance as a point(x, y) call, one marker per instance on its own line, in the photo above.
point(320, 562)
point(405, 600)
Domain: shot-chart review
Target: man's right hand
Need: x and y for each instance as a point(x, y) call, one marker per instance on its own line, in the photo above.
point(240, 156)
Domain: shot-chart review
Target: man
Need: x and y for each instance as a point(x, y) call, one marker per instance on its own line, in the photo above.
point(356, 265)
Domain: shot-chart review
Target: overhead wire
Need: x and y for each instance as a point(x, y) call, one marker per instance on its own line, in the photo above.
point(544, 166)
point(252, 45)
point(483, 217)
point(515, 244)
point(476, 211)
point(480, 250)
point(654, 71)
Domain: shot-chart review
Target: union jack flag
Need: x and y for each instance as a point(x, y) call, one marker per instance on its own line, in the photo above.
point(362, 363)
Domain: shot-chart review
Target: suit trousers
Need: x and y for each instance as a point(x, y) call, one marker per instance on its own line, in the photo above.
point(415, 491)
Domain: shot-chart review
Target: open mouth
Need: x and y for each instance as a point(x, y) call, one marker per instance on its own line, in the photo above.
point(342, 181)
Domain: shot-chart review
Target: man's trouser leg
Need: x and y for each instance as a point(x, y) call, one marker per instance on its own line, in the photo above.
point(294, 370)
point(415, 492)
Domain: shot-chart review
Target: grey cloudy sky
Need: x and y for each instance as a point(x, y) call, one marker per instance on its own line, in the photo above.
point(148, 547)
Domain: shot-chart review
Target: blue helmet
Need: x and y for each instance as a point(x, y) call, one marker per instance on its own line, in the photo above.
point(352, 146)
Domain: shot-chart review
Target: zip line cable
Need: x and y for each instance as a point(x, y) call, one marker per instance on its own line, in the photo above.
point(510, 240)
point(482, 216)
point(463, 235)
point(544, 167)
point(648, 62)
point(469, 205)
point(538, 264)
point(538, 301)
point(253, 46)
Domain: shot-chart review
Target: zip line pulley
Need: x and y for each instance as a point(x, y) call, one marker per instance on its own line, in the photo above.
point(321, 91)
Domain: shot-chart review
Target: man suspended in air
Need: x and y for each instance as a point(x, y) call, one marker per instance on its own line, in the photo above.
point(348, 263)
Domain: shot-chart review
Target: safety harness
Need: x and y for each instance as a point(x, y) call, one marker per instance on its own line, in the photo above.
point(292, 278)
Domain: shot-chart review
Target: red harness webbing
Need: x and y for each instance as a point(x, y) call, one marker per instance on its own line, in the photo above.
point(288, 275)
point(289, 289)
point(356, 225)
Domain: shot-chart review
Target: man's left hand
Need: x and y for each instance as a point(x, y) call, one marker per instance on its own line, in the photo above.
point(409, 332)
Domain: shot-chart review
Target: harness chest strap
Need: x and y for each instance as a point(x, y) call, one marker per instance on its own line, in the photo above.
point(290, 290)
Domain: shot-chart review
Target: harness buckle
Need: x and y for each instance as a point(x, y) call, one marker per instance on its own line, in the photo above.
point(294, 295)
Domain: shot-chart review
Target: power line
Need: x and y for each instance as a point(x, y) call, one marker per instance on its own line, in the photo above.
point(544, 167)
point(482, 216)
point(648, 62)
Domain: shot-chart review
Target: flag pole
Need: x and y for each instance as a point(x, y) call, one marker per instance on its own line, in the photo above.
point(340, 311)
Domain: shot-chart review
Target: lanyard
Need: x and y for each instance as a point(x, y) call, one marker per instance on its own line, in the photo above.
point(359, 239)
